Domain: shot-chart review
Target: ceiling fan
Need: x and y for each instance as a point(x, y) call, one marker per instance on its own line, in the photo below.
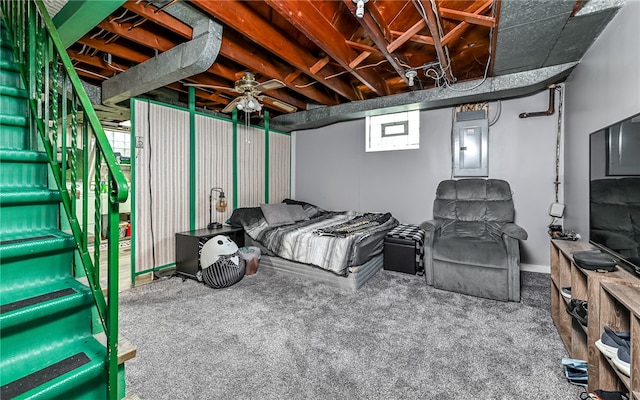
point(250, 98)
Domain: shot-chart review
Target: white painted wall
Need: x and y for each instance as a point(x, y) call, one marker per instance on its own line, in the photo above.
point(333, 171)
point(602, 90)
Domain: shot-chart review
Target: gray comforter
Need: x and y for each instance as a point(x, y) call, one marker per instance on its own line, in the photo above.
point(313, 241)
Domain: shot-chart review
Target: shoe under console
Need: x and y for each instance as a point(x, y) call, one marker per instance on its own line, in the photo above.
point(597, 315)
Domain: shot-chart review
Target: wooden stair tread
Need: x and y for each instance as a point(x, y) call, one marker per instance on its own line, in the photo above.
point(126, 349)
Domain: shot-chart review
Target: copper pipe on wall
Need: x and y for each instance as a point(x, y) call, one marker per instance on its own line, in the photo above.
point(549, 111)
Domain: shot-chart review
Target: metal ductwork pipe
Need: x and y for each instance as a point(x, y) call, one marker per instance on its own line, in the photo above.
point(187, 59)
point(493, 88)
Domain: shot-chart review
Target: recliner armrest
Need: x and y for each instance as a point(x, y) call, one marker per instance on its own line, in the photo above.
point(514, 231)
point(431, 226)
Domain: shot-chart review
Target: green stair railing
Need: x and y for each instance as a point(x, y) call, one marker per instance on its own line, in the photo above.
point(62, 114)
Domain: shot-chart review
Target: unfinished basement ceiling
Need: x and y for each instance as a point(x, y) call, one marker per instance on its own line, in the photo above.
point(326, 56)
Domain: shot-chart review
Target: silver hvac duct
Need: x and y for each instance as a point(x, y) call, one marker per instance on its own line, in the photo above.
point(187, 59)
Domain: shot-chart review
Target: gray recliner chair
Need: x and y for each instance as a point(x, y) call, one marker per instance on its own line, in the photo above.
point(472, 244)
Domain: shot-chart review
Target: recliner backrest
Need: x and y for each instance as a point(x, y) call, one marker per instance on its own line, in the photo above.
point(475, 208)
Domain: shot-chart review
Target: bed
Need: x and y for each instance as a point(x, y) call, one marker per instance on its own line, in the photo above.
point(341, 248)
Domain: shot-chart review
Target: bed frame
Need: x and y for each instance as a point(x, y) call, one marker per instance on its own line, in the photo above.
point(357, 276)
point(354, 280)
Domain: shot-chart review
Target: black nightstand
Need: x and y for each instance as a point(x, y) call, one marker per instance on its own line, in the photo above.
point(189, 245)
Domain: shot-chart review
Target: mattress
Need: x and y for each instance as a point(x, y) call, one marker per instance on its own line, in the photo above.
point(357, 275)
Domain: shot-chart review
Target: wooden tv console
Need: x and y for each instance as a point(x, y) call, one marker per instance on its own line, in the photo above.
point(613, 300)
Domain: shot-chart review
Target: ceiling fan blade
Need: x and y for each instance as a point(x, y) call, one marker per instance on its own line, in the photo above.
point(279, 104)
point(269, 85)
point(204, 86)
point(231, 105)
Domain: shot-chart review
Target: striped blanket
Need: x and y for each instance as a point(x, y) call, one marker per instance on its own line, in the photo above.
point(362, 223)
point(308, 242)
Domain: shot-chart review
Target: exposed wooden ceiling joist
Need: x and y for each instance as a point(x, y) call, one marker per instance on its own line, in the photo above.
point(305, 16)
point(432, 24)
point(476, 8)
point(146, 38)
point(239, 54)
point(231, 50)
point(121, 51)
point(422, 39)
point(405, 36)
point(472, 18)
point(165, 20)
point(96, 61)
point(378, 31)
point(320, 50)
point(238, 15)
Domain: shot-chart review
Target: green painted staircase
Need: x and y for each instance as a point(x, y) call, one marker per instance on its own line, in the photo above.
point(48, 344)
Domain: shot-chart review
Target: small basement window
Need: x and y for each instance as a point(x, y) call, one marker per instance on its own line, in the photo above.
point(399, 131)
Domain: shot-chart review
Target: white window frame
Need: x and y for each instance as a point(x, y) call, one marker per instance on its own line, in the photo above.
point(390, 132)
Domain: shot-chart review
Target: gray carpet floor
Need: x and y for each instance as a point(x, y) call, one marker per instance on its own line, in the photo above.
point(272, 336)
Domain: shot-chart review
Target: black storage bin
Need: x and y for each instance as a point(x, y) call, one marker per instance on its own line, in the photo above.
point(403, 249)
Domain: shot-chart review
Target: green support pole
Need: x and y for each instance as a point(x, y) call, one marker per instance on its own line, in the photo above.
point(192, 158)
point(234, 120)
point(266, 156)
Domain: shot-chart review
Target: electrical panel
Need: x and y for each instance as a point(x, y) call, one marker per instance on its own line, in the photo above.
point(471, 144)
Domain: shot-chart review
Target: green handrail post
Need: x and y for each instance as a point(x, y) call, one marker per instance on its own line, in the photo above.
point(112, 326)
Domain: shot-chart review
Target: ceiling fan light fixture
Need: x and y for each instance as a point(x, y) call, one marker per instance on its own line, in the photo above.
point(248, 104)
point(256, 105)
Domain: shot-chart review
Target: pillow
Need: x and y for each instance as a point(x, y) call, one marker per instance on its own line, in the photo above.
point(246, 216)
point(282, 214)
point(309, 209)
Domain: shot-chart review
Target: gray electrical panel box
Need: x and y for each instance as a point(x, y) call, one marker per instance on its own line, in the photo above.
point(471, 144)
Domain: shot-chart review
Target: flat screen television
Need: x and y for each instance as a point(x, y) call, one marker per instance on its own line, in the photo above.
point(614, 193)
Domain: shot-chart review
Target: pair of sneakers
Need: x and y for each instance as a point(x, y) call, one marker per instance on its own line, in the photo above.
point(604, 395)
point(579, 310)
point(617, 347)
